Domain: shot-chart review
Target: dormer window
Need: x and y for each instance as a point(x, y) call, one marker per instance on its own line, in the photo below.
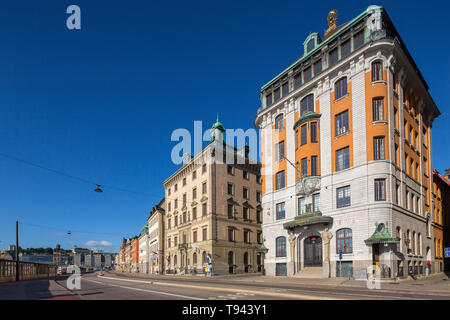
point(310, 46)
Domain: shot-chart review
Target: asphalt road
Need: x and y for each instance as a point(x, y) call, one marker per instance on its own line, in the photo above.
point(118, 287)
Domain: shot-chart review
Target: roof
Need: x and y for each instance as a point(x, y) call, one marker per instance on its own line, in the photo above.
point(308, 219)
point(444, 179)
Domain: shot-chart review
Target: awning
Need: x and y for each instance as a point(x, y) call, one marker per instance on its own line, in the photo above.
point(381, 235)
point(308, 219)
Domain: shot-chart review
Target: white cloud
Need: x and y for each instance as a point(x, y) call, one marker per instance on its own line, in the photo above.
point(93, 243)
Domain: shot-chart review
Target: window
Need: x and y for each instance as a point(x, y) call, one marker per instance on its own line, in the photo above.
point(245, 193)
point(310, 45)
point(175, 241)
point(307, 74)
point(281, 246)
point(377, 71)
point(304, 167)
point(345, 49)
point(194, 193)
point(280, 151)
point(380, 190)
point(358, 40)
point(204, 168)
point(279, 123)
point(280, 180)
point(341, 123)
point(268, 99)
point(230, 211)
point(204, 188)
point(245, 174)
point(194, 213)
point(176, 187)
point(303, 132)
point(194, 258)
point(176, 221)
point(301, 206)
point(176, 203)
point(280, 211)
point(230, 234)
point(377, 109)
point(344, 241)
point(258, 196)
point(194, 175)
point(245, 213)
point(168, 242)
point(184, 181)
point(316, 202)
point(277, 94)
point(333, 56)
point(342, 159)
point(313, 129)
point(258, 178)
point(168, 192)
point(258, 216)
point(184, 199)
point(285, 89)
point(378, 148)
point(204, 234)
point(317, 67)
point(169, 206)
point(246, 236)
point(340, 88)
point(230, 189)
point(314, 166)
point(396, 155)
point(298, 79)
point(229, 169)
point(296, 139)
point(204, 209)
point(307, 104)
point(259, 237)
point(343, 197)
point(169, 224)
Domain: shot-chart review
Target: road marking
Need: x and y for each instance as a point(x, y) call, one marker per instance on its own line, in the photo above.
point(272, 294)
point(146, 290)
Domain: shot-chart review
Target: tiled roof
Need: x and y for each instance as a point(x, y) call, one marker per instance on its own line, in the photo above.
point(444, 179)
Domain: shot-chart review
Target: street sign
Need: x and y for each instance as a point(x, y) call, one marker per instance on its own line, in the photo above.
point(447, 252)
point(340, 254)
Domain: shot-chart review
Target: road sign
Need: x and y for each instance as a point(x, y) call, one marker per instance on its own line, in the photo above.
point(340, 254)
point(447, 252)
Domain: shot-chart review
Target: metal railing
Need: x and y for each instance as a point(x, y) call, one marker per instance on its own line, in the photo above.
point(27, 270)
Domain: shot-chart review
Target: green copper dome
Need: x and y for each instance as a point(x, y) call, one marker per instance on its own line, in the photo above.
point(218, 125)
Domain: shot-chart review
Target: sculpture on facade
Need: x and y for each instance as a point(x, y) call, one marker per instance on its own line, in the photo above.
point(326, 237)
point(292, 245)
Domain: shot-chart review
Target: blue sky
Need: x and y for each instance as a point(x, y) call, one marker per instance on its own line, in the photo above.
point(102, 102)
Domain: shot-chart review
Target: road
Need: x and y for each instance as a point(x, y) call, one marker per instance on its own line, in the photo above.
point(113, 286)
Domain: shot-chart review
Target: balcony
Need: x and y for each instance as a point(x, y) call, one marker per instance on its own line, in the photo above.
point(183, 246)
point(307, 185)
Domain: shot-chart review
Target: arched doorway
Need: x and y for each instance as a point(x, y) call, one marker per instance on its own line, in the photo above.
point(246, 262)
point(313, 251)
point(230, 262)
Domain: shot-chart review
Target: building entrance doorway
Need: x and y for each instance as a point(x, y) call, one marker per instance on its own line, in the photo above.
point(313, 251)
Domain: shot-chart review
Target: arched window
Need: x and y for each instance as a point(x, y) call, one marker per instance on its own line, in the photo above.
point(377, 71)
point(408, 239)
point(175, 260)
point(307, 104)
point(344, 241)
point(281, 247)
point(230, 258)
point(420, 245)
point(279, 123)
point(194, 258)
point(399, 235)
point(168, 260)
point(340, 88)
point(204, 257)
point(414, 243)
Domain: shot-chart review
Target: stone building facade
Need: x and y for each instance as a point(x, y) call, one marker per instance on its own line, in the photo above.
point(347, 156)
point(213, 212)
point(156, 238)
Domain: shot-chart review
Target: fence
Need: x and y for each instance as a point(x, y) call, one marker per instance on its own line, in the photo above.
point(27, 270)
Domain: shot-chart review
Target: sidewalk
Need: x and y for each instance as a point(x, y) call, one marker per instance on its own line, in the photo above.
point(39, 289)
